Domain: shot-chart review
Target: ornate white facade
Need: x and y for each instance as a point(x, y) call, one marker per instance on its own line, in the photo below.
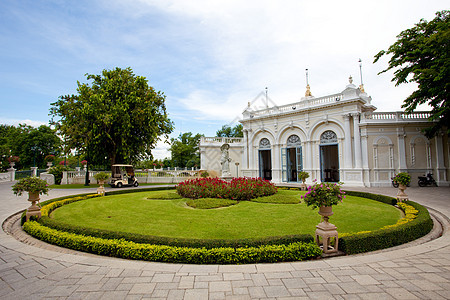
point(339, 137)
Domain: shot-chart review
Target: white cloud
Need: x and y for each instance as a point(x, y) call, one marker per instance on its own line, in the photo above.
point(161, 150)
point(16, 122)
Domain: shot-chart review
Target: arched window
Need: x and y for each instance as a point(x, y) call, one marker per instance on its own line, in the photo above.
point(328, 137)
point(293, 141)
point(264, 144)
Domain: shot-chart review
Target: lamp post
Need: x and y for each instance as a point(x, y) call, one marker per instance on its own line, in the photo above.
point(34, 148)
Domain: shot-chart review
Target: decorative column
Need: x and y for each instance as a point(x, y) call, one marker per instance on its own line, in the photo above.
point(357, 139)
point(276, 163)
point(308, 155)
point(401, 150)
point(365, 158)
point(347, 143)
point(440, 165)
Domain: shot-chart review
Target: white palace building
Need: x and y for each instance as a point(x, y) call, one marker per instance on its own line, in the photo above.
point(336, 138)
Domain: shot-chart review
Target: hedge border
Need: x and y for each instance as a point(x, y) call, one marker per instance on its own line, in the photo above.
point(162, 253)
point(352, 244)
point(388, 237)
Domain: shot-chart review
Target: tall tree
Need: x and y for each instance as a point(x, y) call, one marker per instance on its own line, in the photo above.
point(185, 152)
point(227, 131)
point(422, 54)
point(29, 143)
point(118, 116)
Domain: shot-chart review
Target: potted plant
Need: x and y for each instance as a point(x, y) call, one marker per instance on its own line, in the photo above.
point(12, 160)
point(324, 196)
point(101, 177)
point(35, 187)
point(403, 179)
point(303, 175)
point(49, 159)
point(84, 163)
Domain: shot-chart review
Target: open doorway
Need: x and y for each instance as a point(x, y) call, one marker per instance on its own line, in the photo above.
point(329, 163)
point(329, 157)
point(265, 164)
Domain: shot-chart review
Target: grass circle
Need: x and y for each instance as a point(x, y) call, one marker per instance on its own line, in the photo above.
point(160, 213)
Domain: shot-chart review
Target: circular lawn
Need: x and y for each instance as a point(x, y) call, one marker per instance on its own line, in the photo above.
point(165, 213)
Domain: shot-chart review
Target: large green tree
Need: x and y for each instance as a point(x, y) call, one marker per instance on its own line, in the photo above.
point(117, 116)
point(422, 54)
point(184, 149)
point(29, 143)
point(227, 131)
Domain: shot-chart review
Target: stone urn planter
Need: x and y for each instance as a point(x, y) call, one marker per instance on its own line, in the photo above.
point(403, 179)
point(326, 232)
point(101, 188)
point(101, 178)
point(35, 187)
point(34, 209)
point(303, 176)
point(49, 164)
point(324, 196)
point(401, 195)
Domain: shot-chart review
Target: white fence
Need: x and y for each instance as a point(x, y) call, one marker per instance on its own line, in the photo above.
point(149, 176)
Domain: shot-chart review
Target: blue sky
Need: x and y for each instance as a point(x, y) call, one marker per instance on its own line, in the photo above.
point(209, 57)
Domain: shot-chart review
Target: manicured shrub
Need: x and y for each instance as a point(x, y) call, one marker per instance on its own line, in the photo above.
point(130, 250)
point(241, 188)
point(391, 235)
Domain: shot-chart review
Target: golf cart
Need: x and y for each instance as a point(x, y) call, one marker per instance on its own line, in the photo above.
point(123, 175)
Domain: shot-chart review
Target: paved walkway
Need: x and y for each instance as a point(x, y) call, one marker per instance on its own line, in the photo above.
point(413, 272)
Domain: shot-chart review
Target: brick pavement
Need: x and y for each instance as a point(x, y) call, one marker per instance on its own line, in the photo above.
point(415, 271)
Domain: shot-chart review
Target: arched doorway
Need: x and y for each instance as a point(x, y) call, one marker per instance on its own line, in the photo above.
point(265, 159)
point(291, 159)
point(329, 157)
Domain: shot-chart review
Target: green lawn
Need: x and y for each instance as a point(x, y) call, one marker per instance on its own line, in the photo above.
point(140, 213)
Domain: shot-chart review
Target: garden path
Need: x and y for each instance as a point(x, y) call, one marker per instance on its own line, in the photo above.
point(414, 271)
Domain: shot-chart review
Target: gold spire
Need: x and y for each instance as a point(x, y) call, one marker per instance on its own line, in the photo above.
point(361, 88)
point(308, 91)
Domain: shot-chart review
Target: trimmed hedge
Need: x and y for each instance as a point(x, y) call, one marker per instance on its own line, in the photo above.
point(198, 251)
point(161, 253)
point(177, 242)
point(389, 237)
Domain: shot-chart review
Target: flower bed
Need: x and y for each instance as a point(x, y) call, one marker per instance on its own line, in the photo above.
point(238, 189)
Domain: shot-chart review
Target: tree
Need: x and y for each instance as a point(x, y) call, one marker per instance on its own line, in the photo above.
point(227, 131)
point(185, 152)
point(422, 54)
point(118, 116)
point(29, 143)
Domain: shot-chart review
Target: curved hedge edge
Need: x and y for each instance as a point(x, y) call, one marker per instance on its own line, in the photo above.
point(162, 253)
point(390, 237)
point(176, 242)
point(376, 197)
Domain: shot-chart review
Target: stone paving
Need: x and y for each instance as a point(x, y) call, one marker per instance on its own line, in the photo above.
point(415, 271)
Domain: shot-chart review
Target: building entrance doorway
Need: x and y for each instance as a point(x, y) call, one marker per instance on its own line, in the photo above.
point(291, 159)
point(265, 159)
point(329, 163)
point(329, 157)
point(265, 164)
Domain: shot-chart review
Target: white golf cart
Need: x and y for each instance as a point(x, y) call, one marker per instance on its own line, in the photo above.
point(123, 175)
